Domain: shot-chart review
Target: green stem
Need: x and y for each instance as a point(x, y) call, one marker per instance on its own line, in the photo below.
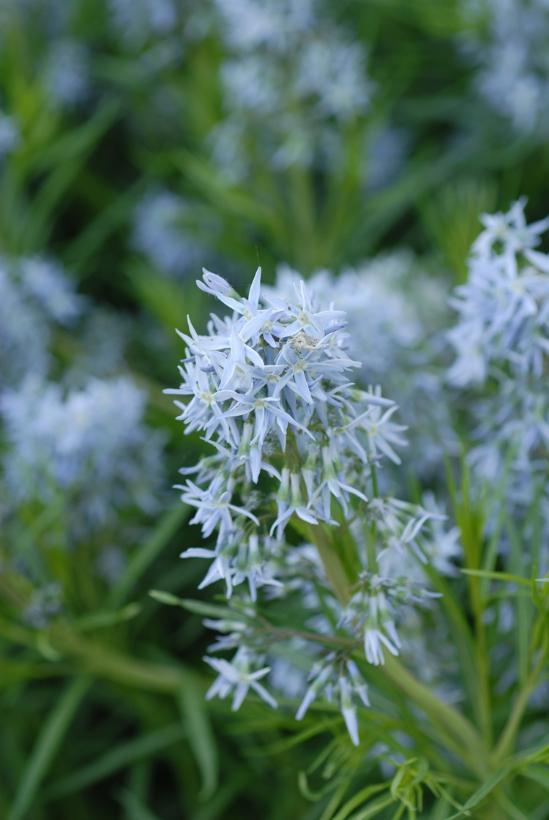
point(484, 707)
point(332, 565)
point(470, 525)
point(507, 737)
point(442, 713)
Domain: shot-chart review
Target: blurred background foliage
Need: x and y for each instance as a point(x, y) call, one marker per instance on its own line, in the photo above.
point(139, 141)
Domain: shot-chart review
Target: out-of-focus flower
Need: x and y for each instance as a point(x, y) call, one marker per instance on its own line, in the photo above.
point(291, 75)
point(165, 231)
point(66, 73)
point(137, 21)
point(9, 135)
point(508, 45)
point(502, 352)
point(45, 282)
point(35, 294)
point(45, 603)
point(332, 71)
point(503, 313)
point(91, 447)
point(275, 24)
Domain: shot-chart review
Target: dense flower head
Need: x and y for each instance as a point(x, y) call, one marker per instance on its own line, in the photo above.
point(90, 445)
point(266, 383)
point(296, 451)
point(360, 292)
point(395, 314)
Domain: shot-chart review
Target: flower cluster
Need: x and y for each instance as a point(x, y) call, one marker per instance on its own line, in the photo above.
point(512, 66)
point(90, 449)
point(297, 447)
point(263, 387)
point(503, 319)
point(288, 77)
point(502, 349)
point(395, 314)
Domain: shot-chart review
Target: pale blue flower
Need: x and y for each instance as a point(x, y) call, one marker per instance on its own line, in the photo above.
point(338, 679)
point(237, 678)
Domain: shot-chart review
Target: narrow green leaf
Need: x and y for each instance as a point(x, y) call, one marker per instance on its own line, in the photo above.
point(507, 577)
point(166, 598)
point(202, 608)
point(538, 774)
point(145, 555)
point(200, 736)
point(77, 141)
point(373, 809)
point(487, 787)
point(47, 745)
point(100, 620)
point(118, 758)
point(358, 799)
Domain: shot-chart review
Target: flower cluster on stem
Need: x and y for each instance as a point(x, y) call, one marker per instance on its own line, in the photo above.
point(296, 450)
